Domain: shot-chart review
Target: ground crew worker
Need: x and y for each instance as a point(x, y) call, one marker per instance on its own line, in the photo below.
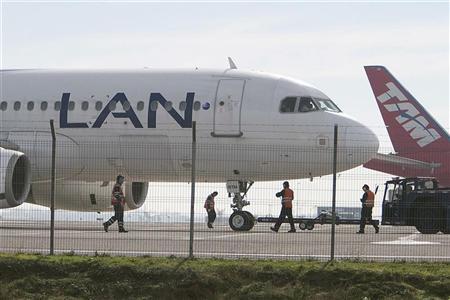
point(118, 201)
point(209, 206)
point(368, 201)
point(287, 195)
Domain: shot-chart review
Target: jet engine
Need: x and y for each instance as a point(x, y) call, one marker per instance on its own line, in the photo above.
point(87, 196)
point(15, 178)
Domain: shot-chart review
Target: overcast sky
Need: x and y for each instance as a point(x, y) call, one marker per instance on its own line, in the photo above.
point(325, 44)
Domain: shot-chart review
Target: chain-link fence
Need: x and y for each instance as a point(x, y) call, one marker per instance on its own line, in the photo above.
point(413, 216)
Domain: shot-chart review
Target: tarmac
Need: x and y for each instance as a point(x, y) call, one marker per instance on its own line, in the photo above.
point(166, 239)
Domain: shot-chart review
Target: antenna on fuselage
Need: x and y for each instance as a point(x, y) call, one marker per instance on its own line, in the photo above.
point(232, 64)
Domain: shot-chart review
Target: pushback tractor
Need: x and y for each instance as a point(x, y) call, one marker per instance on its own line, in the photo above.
point(419, 202)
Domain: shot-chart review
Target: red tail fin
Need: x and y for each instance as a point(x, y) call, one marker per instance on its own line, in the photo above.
point(411, 128)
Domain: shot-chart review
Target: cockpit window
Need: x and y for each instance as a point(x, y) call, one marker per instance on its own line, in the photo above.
point(288, 104)
point(306, 104)
point(326, 104)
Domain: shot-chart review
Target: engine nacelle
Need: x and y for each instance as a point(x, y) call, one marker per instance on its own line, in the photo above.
point(135, 194)
point(15, 178)
point(87, 196)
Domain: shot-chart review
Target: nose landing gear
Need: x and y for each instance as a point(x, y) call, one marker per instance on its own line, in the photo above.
point(240, 220)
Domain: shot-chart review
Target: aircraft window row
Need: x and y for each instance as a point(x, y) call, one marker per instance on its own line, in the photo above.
point(98, 106)
point(306, 104)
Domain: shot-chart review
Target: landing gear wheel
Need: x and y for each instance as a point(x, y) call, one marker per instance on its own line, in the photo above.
point(310, 225)
point(251, 220)
point(240, 221)
point(302, 225)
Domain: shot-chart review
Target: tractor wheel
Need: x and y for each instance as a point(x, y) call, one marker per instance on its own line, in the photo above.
point(302, 225)
point(428, 217)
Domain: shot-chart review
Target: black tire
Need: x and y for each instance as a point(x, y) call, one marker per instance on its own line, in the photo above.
point(310, 225)
point(250, 220)
point(238, 221)
point(302, 225)
point(428, 218)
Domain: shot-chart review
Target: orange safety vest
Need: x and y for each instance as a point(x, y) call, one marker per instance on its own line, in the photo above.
point(209, 203)
point(370, 201)
point(117, 196)
point(288, 196)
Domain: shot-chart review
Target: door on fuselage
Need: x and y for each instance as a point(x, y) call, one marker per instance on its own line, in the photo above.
point(227, 108)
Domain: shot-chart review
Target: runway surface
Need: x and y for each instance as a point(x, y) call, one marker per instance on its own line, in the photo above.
point(165, 239)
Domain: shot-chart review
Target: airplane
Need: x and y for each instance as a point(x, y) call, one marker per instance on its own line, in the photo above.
point(251, 126)
point(421, 145)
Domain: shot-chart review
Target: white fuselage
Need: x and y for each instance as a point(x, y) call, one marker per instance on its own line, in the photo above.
point(241, 133)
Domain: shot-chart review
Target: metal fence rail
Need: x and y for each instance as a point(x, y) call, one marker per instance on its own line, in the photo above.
point(166, 222)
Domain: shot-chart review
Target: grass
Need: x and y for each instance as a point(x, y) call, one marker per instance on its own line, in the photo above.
point(102, 277)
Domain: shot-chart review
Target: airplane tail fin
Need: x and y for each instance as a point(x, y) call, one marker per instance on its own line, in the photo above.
point(411, 128)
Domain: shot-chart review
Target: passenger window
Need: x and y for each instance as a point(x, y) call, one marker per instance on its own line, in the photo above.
point(71, 105)
point(16, 105)
point(306, 104)
point(98, 105)
point(197, 105)
point(168, 105)
point(126, 106)
point(84, 105)
point(183, 105)
point(154, 106)
point(30, 105)
point(112, 106)
point(57, 105)
point(44, 105)
point(206, 106)
point(140, 105)
point(288, 104)
point(4, 105)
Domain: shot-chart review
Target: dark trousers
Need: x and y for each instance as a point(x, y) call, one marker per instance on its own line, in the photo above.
point(285, 212)
point(211, 216)
point(366, 214)
point(118, 215)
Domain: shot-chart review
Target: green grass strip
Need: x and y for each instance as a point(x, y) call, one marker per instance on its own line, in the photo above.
point(102, 277)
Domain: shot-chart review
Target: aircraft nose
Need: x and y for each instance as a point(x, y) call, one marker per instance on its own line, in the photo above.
point(360, 143)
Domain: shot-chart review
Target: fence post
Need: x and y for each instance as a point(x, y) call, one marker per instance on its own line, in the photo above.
point(333, 208)
point(52, 191)
point(191, 227)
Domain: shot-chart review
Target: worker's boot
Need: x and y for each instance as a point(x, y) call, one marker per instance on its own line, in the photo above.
point(121, 228)
point(360, 231)
point(108, 223)
point(292, 230)
point(274, 229)
point(377, 229)
point(210, 226)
